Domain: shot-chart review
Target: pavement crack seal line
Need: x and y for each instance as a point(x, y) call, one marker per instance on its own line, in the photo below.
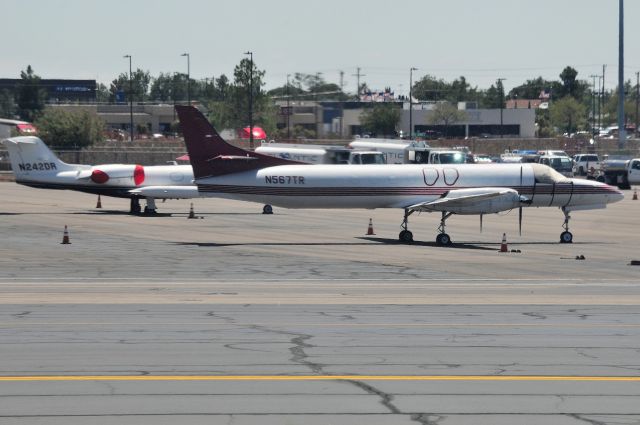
point(385, 399)
point(583, 419)
point(424, 419)
point(298, 352)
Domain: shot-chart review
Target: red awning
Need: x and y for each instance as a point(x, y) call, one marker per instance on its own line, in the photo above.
point(258, 133)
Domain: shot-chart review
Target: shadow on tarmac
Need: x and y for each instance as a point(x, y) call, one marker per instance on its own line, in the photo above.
point(480, 246)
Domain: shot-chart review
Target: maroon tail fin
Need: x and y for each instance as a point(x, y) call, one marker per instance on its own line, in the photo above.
point(210, 155)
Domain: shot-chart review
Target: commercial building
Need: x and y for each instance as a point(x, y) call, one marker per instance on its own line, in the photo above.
point(58, 90)
point(343, 119)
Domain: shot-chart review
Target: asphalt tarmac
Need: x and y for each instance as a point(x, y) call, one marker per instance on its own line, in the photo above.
point(301, 318)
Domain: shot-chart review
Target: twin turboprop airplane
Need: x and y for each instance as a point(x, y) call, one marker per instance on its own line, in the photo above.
point(223, 170)
point(35, 165)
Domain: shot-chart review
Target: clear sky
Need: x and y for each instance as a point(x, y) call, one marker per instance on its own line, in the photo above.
point(482, 40)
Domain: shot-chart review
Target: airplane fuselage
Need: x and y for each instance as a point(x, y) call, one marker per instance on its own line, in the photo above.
point(397, 186)
point(120, 182)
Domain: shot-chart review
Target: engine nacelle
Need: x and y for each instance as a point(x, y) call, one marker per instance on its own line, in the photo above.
point(117, 174)
point(479, 201)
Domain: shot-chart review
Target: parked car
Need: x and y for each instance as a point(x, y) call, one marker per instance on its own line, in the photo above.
point(585, 163)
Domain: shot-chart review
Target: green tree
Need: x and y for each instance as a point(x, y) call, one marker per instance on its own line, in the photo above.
point(7, 104)
point(230, 105)
point(31, 96)
point(381, 119)
point(140, 81)
point(610, 109)
point(573, 87)
point(531, 89)
point(494, 97)
point(568, 114)
point(62, 128)
point(444, 113)
point(430, 88)
point(102, 93)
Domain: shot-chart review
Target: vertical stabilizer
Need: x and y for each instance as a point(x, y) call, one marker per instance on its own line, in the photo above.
point(210, 155)
point(30, 157)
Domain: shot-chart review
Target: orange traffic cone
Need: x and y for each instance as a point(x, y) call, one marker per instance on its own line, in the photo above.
point(65, 236)
point(370, 228)
point(503, 245)
point(191, 213)
point(99, 204)
point(635, 195)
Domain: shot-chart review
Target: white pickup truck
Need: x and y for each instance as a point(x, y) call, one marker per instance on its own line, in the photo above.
point(584, 163)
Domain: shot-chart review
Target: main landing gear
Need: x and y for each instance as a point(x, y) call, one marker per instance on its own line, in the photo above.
point(443, 239)
point(135, 206)
point(566, 236)
point(136, 209)
point(150, 208)
point(406, 236)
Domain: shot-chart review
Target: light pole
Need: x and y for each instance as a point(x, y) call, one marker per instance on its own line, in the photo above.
point(250, 98)
point(637, 99)
point(411, 102)
point(622, 133)
point(130, 99)
point(288, 109)
point(188, 77)
point(600, 104)
point(499, 83)
point(593, 106)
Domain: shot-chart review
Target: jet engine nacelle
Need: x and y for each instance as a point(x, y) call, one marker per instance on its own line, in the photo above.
point(479, 201)
point(115, 174)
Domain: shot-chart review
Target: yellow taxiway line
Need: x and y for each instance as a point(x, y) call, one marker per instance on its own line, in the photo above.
point(520, 378)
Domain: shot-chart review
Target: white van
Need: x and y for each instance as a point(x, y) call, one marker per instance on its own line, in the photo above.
point(562, 164)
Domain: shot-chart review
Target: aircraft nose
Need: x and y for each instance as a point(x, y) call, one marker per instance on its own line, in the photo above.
point(616, 196)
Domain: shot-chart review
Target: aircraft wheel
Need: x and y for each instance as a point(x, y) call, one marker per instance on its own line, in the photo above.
point(405, 236)
point(443, 239)
point(566, 237)
point(267, 209)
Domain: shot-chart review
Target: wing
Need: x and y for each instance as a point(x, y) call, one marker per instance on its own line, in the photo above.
point(166, 192)
point(482, 200)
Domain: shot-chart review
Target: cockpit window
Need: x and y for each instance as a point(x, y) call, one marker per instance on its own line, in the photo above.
point(547, 175)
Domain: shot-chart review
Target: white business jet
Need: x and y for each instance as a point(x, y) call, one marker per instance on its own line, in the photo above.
point(225, 171)
point(35, 165)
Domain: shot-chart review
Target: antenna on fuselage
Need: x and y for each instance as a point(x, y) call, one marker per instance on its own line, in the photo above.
point(520, 208)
